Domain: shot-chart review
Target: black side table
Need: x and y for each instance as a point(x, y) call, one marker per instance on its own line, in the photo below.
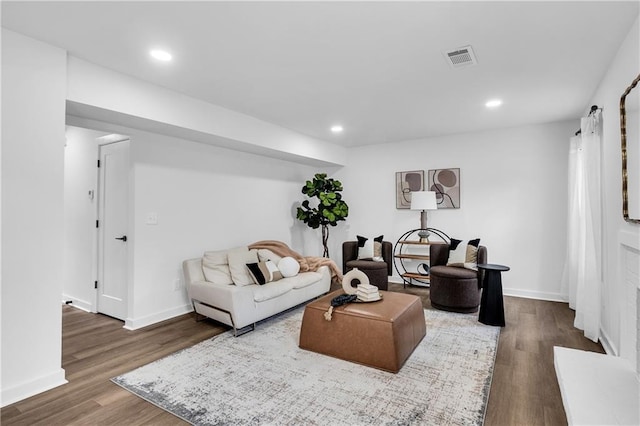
point(492, 304)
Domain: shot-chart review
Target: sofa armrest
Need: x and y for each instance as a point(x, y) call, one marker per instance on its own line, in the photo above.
point(483, 256)
point(220, 296)
point(387, 255)
point(192, 270)
point(326, 273)
point(236, 300)
point(349, 252)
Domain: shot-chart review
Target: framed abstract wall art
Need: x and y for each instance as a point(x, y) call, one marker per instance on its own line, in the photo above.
point(446, 184)
point(406, 183)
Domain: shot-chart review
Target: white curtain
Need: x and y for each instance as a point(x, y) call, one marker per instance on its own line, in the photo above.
point(582, 270)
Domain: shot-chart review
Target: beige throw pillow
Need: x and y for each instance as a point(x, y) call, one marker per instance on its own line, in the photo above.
point(238, 260)
point(215, 267)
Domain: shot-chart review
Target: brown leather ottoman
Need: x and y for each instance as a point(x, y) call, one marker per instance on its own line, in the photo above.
point(378, 334)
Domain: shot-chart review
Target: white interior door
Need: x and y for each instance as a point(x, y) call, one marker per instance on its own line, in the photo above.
point(112, 229)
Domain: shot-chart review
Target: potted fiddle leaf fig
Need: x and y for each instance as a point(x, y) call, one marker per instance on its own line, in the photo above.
point(330, 209)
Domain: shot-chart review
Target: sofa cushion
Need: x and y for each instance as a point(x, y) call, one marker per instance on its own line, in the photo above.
point(452, 272)
point(304, 279)
point(215, 267)
point(264, 272)
point(238, 259)
point(464, 254)
point(365, 265)
point(272, 290)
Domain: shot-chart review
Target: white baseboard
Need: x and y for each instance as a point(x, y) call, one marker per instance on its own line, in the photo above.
point(32, 387)
point(606, 343)
point(527, 294)
point(609, 348)
point(137, 323)
point(539, 295)
point(78, 303)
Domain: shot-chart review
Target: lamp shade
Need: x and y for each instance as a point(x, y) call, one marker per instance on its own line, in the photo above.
point(424, 200)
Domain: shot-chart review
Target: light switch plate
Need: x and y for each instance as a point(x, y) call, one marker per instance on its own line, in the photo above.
point(152, 218)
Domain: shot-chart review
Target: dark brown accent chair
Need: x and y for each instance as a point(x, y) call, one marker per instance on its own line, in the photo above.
point(453, 288)
point(377, 272)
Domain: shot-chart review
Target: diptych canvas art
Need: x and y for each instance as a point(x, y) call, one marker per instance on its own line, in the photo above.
point(406, 183)
point(446, 184)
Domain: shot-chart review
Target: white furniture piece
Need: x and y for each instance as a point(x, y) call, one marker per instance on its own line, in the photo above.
point(597, 389)
point(241, 306)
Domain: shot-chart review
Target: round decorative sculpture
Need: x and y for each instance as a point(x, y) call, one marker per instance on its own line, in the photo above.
point(289, 267)
point(353, 274)
point(423, 269)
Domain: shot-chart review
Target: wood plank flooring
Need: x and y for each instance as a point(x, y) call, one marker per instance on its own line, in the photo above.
point(96, 348)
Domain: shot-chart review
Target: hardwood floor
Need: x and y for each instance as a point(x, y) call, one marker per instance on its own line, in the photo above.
point(96, 348)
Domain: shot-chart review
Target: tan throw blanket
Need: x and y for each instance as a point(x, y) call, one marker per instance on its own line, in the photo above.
point(307, 263)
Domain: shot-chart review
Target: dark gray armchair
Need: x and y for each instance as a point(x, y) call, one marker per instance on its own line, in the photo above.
point(452, 288)
point(377, 272)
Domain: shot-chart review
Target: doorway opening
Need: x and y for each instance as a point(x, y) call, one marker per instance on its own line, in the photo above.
point(96, 195)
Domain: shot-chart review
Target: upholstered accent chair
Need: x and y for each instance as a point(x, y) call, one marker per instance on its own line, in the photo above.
point(377, 272)
point(453, 288)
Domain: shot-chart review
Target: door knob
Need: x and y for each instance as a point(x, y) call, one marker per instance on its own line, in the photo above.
point(123, 238)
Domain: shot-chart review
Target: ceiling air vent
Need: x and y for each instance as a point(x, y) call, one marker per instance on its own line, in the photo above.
point(461, 57)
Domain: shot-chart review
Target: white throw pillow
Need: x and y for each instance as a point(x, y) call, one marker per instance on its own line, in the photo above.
point(215, 267)
point(370, 249)
point(365, 251)
point(289, 267)
point(238, 259)
point(464, 254)
point(266, 254)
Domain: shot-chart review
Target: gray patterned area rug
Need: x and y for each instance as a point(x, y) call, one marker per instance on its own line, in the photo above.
point(263, 378)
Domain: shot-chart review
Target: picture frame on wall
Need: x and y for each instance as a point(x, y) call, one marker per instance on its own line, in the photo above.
point(406, 183)
point(446, 184)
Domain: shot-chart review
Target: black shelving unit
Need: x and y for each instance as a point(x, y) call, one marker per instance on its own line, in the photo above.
point(402, 256)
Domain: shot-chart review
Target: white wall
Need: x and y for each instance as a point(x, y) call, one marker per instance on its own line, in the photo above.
point(80, 213)
point(513, 197)
point(619, 235)
point(205, 198)
point(33, 109)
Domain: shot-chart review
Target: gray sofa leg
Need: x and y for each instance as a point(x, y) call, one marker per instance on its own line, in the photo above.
point(237, 332)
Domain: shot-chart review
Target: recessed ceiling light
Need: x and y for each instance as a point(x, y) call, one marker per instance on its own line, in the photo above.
point(161, 55)
point(493, 103)
point(337, 128)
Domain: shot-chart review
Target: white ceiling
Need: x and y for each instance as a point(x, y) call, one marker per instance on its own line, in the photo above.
point(377, 68)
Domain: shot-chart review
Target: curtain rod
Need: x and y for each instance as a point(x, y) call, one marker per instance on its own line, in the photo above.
point(594, 108)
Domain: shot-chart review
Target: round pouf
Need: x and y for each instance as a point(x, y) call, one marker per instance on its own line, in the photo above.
point(454, 289)
point(376, 272)
point(289, 267)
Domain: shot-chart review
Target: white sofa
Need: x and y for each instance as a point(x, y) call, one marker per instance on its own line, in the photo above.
point(218, 287)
